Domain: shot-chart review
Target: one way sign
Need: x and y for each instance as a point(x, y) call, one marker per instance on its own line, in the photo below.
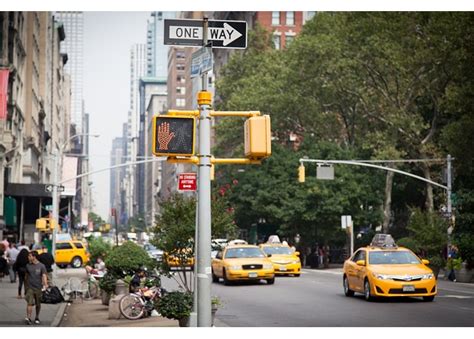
point(222, 34)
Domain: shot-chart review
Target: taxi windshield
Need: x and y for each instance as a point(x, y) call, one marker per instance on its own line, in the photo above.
point(244, 252)
point(277, 250)
point(392, 258)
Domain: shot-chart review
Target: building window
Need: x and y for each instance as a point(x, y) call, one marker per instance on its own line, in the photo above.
point(180, 54)
point(276, 41)
point(181, 90)
point(180, 79)
point(290, 18)
point(180, 67)
point(180, 102)
point(275, 18)
point(289, 39)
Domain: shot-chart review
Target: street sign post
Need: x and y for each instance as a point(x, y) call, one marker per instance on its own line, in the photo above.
point(201, 61)
point(220, 33)
point(187, 181)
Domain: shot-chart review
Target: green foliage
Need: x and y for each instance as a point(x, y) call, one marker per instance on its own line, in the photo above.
point(107, 282)
point(428, 232)
point(96, 220)
point(98, 247)
point(409, 243)
point(127, 259)
point(454, 264)
point(176, 305)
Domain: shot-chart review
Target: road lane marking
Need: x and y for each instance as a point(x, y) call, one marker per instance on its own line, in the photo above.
point(457, 291)
point(455, 296)
point(330, 272)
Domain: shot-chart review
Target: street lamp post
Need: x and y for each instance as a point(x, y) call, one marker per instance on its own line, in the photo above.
point(56, 181)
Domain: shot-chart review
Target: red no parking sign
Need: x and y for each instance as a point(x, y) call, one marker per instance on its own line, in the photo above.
point(187, 181)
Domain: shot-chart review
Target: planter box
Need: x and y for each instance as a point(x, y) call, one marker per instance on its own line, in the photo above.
point(464, 275)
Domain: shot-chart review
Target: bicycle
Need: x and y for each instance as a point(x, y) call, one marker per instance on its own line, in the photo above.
point(90, 287)
point(134, 306)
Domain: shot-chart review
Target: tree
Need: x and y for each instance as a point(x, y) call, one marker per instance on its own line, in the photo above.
point(96, 219)
point(175, 229)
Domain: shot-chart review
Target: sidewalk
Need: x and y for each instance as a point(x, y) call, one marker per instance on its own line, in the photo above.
point(13, 310)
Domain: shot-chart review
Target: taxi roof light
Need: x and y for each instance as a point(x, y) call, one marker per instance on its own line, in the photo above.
point(383, 240)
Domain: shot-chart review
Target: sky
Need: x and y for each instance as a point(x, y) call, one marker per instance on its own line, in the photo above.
point(108, 37)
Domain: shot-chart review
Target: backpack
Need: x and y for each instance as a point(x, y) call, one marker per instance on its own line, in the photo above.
point(52, 295)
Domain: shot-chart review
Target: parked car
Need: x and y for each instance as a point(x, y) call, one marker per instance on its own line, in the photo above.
point(285, 260)
point(153, 252)
point(242, 262)
point(386, 270)
point(71, 252)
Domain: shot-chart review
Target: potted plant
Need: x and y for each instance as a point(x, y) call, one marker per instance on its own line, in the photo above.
point(216, 302)
point(176, 305)
point(107, 286)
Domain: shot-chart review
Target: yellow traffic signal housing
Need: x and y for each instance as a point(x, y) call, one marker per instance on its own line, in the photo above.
point(257, 136)
point(173, 135)
point(301, 173)
point(45, 224)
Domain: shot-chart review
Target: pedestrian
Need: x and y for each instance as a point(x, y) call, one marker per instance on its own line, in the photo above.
point(47, 260)
point(12, 254)
point(138, 280)
point(20, 268)
point(452, 254)
point(23, 246)
point(36, 282)
point(3, 265)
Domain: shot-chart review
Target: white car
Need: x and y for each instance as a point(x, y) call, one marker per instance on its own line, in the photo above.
point(153, 252)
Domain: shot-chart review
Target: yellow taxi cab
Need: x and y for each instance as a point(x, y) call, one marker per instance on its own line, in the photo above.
point(242, 262)
point(383, 269)
point(175, 261)
point(71, 252)
point(285, 260)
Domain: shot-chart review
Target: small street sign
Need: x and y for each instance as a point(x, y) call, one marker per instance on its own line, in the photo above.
point(346, 221)
point(201, 61)
point(48, 207)
point(48, 188)
point(221, 34)
point(325, 172)
point(187, 181)
point(60, 188)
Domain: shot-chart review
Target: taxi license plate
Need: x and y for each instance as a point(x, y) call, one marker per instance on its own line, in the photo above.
point(408, 288)
point(282, 268)
point(253, 275)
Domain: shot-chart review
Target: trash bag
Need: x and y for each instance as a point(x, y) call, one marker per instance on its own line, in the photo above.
point(52, 295)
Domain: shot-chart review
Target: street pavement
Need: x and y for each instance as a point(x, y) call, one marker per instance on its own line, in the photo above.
point(13, 310)
point(316, 298)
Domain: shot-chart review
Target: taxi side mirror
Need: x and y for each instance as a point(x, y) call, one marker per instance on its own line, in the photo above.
point(360, 262)
point(297, 253)
point(425, 262)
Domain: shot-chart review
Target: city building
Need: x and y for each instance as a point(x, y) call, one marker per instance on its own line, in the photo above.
point(34, 116)
point(156, 51)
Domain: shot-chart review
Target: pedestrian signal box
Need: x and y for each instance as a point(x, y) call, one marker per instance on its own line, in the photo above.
point(173, 135)
point(45, 224)
point(257, 136)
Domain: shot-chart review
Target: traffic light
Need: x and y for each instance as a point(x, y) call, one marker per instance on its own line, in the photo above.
point(45, 224)
point(173, 135)
point(301, 174)
point(257, 136)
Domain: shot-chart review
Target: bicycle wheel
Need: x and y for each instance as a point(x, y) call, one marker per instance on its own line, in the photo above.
point(86, 290)
point(131, 307)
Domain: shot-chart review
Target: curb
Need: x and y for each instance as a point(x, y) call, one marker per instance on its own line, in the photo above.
point(59, 315)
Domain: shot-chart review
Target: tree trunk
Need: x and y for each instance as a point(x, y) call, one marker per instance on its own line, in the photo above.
point(429, 205)
point(388, 200)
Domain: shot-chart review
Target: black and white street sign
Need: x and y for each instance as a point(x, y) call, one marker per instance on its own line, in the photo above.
point(49, 188)
point(221, 34)
point(201, 61)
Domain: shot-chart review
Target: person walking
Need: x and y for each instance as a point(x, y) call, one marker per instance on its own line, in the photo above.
point(36, 282)
point(20, 268)
point(47, 260)
point(3, 265)
point(12, 254)
point(23, 246)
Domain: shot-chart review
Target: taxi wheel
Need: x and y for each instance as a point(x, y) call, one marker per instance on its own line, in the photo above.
point(226, 281)
point(347, 291)
point(429, 298)
point(367, 294)
point(76, 262)
point(297, 275)
point(271, 281)
point(215, 278)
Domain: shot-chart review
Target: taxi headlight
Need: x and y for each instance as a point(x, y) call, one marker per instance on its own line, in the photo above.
point(235, 267)
point(427, 276)
point(267, 266)
point(295, 262)
point(380, 276)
